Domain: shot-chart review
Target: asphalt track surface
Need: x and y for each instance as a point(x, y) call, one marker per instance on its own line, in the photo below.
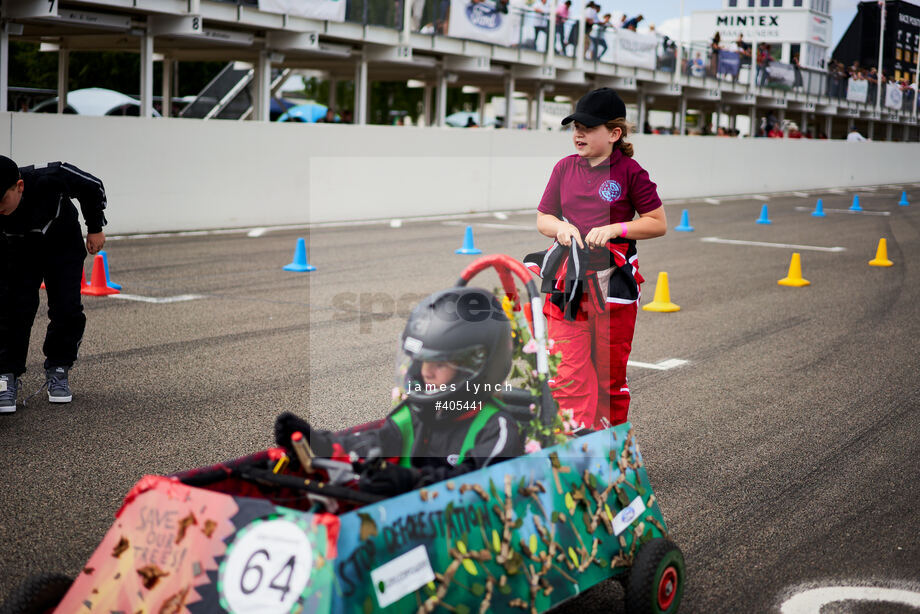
point(784, 453)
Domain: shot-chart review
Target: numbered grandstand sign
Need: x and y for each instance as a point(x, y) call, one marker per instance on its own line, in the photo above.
point(404, 53)
point(267, 568)
point(45, 8)
point(176, 25)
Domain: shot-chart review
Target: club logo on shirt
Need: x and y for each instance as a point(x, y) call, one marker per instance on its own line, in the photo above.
point(610, 190)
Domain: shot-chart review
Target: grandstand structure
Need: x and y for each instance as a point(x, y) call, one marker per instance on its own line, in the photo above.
point(402, 40)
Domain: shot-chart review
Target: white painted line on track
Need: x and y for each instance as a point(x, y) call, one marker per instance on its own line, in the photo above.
point(395, 223)
point(712, 201)
point(801, 194)
point(662, 365)
point(811, 601)
point(499, 215)
point(836, 191)
point(867, 188)
point(488, 225)
point(863, 212)
point(257, 232)
point(812, 248)
point(157, 299)
point(317, 225)
point(760, 197)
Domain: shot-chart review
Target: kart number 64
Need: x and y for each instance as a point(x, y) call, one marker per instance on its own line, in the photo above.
point(266, 569)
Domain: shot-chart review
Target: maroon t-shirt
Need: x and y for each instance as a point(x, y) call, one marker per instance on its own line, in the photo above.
point(613, 191)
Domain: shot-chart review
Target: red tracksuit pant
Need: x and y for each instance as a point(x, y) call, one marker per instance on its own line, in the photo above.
point(591, 379)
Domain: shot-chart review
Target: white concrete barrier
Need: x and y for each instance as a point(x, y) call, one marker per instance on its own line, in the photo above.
point(183, 174)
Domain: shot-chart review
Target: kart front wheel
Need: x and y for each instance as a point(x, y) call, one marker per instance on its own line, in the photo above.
point(655, 583)
point(37, 594)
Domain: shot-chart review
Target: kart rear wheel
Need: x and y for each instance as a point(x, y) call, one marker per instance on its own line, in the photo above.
point(655, 583)
point(37, 594)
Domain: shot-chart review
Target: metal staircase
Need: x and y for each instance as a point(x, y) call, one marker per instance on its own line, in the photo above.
point(228, 95)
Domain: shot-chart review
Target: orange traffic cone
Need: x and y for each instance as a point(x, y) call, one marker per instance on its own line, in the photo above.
point(97, 286)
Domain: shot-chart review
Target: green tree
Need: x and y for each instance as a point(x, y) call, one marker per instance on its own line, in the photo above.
point(115, 70)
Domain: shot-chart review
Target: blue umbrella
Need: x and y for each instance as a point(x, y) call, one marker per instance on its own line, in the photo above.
point(308, 113)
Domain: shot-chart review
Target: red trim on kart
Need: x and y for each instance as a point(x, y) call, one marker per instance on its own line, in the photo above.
point(667, 588)
point(173, 488)
point(332, 524)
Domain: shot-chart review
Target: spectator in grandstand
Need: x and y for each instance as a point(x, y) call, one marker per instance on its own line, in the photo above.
point(764, 59)
point(792, 131)
point(854, 136)
point(328, 118)
point(743, 49)
point(667, 59)
point(697, 68)
point(562, 15)
point(598, 37)
point(873, 80)
point(418, 9)
point(744, 54)
point(798, 82)
point(572, 39)
point(590, 20)
point(443, 16)
point(347, 116)
point(714, 47)
point(541, 11)
point(633, 23)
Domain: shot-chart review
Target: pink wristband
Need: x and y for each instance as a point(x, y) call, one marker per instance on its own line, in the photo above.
point(622, 229)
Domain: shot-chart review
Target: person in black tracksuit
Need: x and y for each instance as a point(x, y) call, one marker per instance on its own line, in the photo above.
point(455, 353)
point(41, 239)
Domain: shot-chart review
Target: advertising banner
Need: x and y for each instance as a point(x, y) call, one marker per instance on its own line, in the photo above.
point(487, 21)
point(634, 49)
point(893, 96)
point(326, 10)
point(729, 62)
point(857, 90)
point(780, 74)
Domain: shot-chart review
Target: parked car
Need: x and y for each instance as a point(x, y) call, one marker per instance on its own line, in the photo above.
point(94, 101)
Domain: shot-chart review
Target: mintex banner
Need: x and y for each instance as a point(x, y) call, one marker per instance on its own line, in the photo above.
point(633, 49)
point(857, 90)
point(482, 21)
point(326, 10)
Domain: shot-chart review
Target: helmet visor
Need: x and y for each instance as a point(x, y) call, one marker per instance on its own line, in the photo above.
point(423, 373)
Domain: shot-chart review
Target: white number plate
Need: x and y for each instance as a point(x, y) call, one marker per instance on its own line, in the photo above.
point(266, 569)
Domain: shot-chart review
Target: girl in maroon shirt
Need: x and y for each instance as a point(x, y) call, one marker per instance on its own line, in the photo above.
point(591, 273)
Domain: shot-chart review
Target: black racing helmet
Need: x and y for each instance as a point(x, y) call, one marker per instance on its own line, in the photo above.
point(463, 329)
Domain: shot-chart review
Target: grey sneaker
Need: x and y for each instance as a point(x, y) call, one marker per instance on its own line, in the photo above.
point(9, 386)
point(58, 388)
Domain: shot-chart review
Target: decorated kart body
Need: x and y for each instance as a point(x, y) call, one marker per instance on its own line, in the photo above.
point(520, 535)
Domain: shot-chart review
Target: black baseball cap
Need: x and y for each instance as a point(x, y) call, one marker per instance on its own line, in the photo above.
point(597, 107)
point(9, 174)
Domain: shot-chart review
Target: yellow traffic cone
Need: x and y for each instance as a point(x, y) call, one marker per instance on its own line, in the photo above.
point(662, 302)
point(881, 255)
point(794, 277)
